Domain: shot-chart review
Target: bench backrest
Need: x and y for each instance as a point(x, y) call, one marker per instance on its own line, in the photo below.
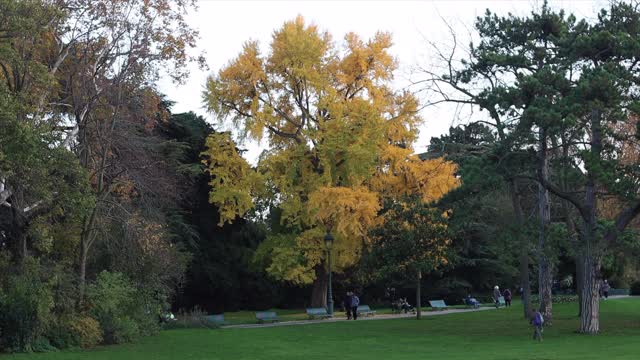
point(501, 300)
point(364, 308)
point(266, 315)
point(437, 303)
point(613, 291)
point(317, 311)
point(217, 319)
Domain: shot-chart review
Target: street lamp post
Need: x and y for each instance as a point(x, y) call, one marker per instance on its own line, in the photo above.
point(328, 241)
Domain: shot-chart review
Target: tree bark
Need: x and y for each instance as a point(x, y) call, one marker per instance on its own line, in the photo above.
point(590, 316)
point(524, 248)
point(545, 282)
point(82, 269)
point(545, 268)
point(590, 300)
point(579, 280)
point(418, 296)
point(319, 290)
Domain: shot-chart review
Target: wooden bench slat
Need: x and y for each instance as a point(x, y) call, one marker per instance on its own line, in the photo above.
point(318, 312)
point(216, 319)
point(267, 316)
point(438, 304)
point(365, 310)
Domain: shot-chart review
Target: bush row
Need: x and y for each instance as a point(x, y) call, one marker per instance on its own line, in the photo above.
point(36, 313)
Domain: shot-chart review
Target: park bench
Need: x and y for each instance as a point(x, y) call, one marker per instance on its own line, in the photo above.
point(470, 305)
point(613, 292)
point(438, 304)
point(318, 313)
point(215, 319)
point(267, 316)
point(365, 310)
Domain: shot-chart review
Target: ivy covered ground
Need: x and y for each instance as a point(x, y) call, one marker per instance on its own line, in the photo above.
point(494, 335)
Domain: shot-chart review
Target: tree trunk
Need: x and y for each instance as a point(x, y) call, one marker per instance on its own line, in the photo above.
point(22, 243)
point(579, 280)
point(320, 285)
point(545, 271)
point(418, 296)
point(82, 270)
point(524, 248)
point(590, 301)
point(544, 290)
point(525, 281)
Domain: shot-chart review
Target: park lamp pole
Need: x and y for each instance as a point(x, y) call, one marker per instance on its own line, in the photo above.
point(328, 242)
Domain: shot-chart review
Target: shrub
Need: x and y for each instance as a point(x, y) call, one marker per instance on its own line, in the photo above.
point(75, 331)
point(113, 305)
point(190, 320)
point(86, 331)
point(635, 288)
point(25, 311)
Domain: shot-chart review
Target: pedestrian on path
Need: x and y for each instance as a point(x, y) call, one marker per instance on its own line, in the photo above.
point(496, 295)
point(537, 320)
point(507, 297)
point(355, 301)
point(347, 304)
point(605, 289)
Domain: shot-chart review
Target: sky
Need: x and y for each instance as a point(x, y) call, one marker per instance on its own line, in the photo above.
point(225, 25)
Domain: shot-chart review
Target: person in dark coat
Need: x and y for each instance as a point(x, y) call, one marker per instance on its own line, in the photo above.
point(507, 297)
point(348, 299)
point(605, 289)
point(355, 301)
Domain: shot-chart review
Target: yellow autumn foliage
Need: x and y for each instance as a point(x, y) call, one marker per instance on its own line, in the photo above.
point(340, 141)
point(232, 180)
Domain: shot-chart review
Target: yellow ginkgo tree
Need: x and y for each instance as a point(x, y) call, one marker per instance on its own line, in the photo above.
point(339, 143)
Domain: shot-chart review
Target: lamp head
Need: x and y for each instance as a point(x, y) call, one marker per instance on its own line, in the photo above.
point(328, 240)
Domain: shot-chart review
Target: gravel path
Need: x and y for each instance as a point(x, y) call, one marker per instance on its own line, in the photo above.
point(370, 318)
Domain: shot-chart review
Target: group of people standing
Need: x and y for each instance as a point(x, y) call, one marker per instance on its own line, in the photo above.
point(506, 294)
point(350, 303)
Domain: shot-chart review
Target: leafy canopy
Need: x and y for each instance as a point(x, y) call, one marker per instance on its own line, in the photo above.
point(340, 142)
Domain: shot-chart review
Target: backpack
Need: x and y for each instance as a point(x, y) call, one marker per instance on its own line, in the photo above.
point(538, 319)
point(355, 301)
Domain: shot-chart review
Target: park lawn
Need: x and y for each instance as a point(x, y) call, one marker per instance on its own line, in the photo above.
point(493, 334)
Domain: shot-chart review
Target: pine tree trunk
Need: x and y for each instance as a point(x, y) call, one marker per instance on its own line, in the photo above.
point(418, 296)
point(544, 288)
point(590, 312)
point(590, 301)
point(525, 282)
point(320, 286)
point(545, 271)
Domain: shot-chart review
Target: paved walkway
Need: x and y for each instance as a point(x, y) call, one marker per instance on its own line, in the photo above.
point(377, 317)
point(371, 318)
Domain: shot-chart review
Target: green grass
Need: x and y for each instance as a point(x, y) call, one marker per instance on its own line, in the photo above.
point(495, 334)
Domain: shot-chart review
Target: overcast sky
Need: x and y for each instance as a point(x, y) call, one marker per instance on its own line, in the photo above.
point(225, 25)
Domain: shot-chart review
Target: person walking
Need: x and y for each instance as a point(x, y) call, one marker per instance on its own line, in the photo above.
point(346, 302)
point(507, 297)
point(496, 295)
point(355, 301)
point(537, 320)
point(605, 289)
